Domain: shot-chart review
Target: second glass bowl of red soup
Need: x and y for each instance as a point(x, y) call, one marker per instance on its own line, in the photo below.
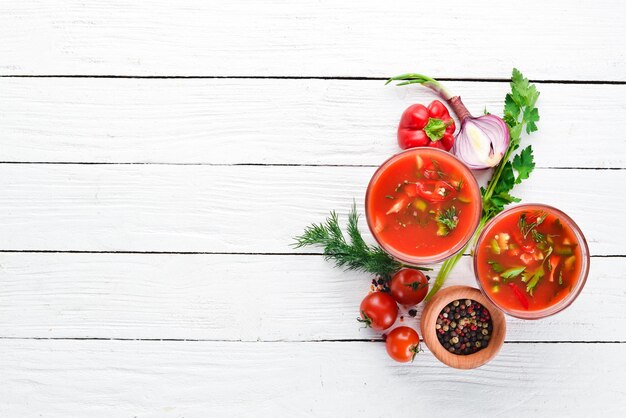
point(531, 261)
point(422, 205)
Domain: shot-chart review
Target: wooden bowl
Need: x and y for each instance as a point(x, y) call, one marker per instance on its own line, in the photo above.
point(429, 319)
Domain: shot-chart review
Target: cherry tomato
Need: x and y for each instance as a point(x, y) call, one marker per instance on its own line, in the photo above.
point(378, 311)
point(409, 287)
point(438, 110)
point(402, 344)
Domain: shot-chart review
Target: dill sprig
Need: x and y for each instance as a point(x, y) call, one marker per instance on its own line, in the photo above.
point(447, 221)
point(354, 253)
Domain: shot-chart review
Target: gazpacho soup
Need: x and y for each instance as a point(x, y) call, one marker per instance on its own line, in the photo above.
point(422, 205)
point(531, 261)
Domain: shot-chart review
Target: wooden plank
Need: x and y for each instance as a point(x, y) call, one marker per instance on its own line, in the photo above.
point(327, 38)
point(139, 378)
point(236, 209)
point(274, 121)
point(234, 297)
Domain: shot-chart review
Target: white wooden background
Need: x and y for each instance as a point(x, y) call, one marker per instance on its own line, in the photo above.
point(157, 157)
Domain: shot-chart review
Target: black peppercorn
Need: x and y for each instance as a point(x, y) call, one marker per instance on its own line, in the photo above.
point(464, 327)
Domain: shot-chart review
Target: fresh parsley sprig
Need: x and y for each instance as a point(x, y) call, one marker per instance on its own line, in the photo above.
point(520, 114)
point(353, 254)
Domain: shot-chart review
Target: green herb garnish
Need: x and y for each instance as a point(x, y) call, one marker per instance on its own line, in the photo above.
point(440, 173)
point(497, 267)
point(447, 221)
point(354, 254)
point(537, 236)
point(512, 272)
point(526, 228)
point(538, 274)
point(534, 279)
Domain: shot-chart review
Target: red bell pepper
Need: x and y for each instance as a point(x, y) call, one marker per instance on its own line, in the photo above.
point(520, 296)
point(421, 126)
point(434, 190)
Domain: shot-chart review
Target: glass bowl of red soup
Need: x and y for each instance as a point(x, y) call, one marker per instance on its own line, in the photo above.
point(531, 261)
point(422, 205)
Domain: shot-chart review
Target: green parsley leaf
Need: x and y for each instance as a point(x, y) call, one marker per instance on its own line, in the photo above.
point(511, 110)
point(537, 275)
point(503, 199)
point(512, 272)
point(506, 181)
point(524, 164)
point(497, 267)
point(531, 115)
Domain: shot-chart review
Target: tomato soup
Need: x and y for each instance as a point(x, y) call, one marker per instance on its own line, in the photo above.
point(530, 261)
point(422, 205)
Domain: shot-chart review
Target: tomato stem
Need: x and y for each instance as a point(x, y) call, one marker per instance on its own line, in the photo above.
point(415, 349)
point(365, 320)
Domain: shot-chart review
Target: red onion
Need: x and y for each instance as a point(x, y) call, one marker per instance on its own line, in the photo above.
point(481, 141)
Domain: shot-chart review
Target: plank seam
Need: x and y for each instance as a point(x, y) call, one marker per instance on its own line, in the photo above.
point(348, 340)
point(251, 164)
point(212, 253)
point(290, 77)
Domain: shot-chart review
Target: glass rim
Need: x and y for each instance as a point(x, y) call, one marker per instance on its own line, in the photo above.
point(420, 261)
point(582, 277)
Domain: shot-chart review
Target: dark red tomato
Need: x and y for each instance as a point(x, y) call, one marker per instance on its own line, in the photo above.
point(402, 344)
point(409, 287)
point(378, 311)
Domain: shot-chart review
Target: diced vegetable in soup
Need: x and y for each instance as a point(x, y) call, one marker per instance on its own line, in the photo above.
point(529, 260)
point(423, 204)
